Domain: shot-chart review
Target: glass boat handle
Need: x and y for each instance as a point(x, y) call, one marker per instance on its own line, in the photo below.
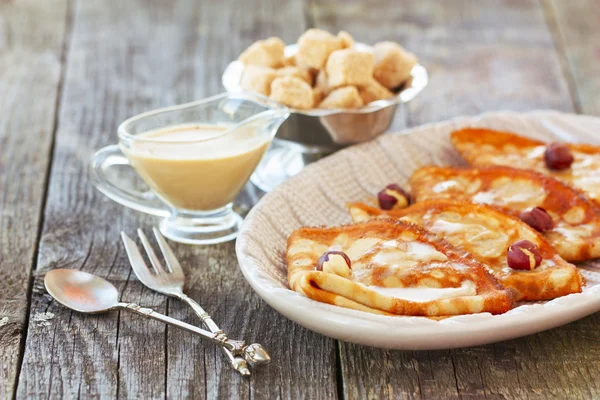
point(108, 157)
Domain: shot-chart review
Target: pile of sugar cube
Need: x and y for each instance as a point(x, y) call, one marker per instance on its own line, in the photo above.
point(327, 71)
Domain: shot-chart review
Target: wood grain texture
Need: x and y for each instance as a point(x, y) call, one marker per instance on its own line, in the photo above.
point(125, 58)
point(481, 56)
point(575, 28)
point(31, 42)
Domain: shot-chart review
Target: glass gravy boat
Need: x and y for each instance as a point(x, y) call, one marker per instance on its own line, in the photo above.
point(196, 158)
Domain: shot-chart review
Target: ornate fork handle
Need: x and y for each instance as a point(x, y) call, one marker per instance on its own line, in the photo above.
point(253, 353)
point(207, 319)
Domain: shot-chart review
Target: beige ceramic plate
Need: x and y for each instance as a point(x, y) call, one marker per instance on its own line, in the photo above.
point(317, 195)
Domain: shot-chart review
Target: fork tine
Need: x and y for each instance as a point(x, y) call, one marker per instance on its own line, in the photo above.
point(136, 260)
point(158, 268)
point(170, 258)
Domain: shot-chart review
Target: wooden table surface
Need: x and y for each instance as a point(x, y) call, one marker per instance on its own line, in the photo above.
point(71, 70)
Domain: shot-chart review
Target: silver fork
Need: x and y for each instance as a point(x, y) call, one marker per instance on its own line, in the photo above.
point(171, 281)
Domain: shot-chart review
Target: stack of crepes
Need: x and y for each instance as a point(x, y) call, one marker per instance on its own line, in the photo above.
point(467, 239)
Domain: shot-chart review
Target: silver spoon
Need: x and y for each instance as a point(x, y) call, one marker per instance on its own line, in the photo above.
point(91, 294)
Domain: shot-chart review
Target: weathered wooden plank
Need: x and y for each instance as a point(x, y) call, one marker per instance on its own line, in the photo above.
point(124, 58)
point(108, 77)
point(304, 362)
point(481, 56)
point(31, 43)
point(575, 28)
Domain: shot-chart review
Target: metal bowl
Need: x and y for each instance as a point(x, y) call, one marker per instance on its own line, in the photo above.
point(325, 130)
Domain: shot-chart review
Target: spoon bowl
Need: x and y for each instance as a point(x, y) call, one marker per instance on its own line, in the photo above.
point(81, 291)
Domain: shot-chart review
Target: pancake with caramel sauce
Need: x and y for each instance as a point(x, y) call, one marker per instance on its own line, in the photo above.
point(485, 147)
point(576, 232)
point(397, 268)
point(486, 233)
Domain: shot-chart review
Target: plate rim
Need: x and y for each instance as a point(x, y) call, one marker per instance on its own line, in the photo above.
point(400, 330)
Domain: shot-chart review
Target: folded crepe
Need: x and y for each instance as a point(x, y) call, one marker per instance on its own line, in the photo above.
point(576, 220)
point(486, 233)
point(485, 147)
point(396, 268)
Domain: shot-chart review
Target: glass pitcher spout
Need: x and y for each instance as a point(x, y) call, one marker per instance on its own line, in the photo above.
point(268, 120)
point(233, 109)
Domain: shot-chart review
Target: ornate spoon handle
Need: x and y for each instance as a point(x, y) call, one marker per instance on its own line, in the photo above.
point(236, 347)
